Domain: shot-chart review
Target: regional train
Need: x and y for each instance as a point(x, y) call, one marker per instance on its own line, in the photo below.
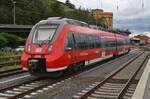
point(57, 44)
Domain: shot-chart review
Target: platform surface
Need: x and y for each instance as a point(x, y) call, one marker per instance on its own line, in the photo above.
point(147, 89)
point(143, 88)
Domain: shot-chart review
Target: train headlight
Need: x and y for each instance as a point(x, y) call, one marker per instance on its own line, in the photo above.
point(29, 48)
point(49, 48)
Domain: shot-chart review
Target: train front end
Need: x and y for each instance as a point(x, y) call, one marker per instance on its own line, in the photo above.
point(38, 49)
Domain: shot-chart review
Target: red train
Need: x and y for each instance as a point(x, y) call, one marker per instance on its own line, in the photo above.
point(57, 44)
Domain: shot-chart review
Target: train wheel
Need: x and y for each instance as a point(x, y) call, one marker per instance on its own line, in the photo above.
point(128, 51)
point(115, 55)
point(32, 69)
point(55, 74)
point(78, 66)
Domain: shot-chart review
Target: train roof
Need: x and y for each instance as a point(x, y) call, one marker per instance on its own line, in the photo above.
point(59, 20)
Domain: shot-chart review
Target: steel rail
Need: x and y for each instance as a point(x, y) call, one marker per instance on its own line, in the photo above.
point(120, 95)
point(87, 94)
point(48, 84)
point(11, 72)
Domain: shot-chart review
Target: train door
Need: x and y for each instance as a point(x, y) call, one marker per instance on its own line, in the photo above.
point(70, 47)
point(116, 45)
point(74, 52)
point(77, 46)
point(103, 46)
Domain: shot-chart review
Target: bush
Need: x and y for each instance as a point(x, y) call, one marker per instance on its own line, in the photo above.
point(22, 41)
point(12, 40)
point(3, 41)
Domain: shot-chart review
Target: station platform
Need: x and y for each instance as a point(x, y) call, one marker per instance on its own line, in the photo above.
point(143, 88)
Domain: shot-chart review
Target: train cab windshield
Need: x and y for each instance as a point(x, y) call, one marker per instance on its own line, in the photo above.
point(44, 33)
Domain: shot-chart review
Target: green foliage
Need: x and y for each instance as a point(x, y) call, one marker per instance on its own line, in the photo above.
point(57, 9)
point(31, 11)
point(3, 41)
point(9, 40)
point(22, 41)
point(69, 4)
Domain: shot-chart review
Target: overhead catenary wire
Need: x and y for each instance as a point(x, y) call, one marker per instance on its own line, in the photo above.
point(101, 4)
point(117, 8)
point(142, 1)
point(131, 3)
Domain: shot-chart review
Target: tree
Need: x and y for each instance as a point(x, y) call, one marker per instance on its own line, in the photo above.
point(69, 4)
point(12, 40)
point(3, 41)
point(67, 1)
point(32, 11)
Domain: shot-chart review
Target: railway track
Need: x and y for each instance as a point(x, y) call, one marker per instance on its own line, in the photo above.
point(11, 72)
point(9, 63)
point(113, 87)
point(37, 85)
point(9, 60)
point(25, 89)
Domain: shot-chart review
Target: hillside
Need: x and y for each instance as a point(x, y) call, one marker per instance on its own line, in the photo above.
point(32, 11)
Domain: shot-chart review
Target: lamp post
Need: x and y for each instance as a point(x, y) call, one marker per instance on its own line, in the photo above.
point(14, 5)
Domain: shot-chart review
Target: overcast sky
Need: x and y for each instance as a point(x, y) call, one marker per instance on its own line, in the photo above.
point(131, 14)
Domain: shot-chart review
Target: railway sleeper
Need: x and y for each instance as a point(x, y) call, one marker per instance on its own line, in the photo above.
point(126, 97)
point(31, 85)
point(34, 93)
point(102, 96)
point(128, 94)
point(3, 97)
point(13, 92)
point(17, 89)
point(81, 93)
point(21, 89)
point(25, 87)
point(108, 90)
point(113, 88)
point(6, 95)
point(114, 84)
point(91, 98)
point(106, 93)
point(131, 89)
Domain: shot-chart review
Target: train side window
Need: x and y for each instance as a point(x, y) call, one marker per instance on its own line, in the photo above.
point(98, 42)
point(78, 41)
point(94, 41)
point(128, 41)
point(119, 42)
point(106, 44)
point(87, 41)
point(91, 38)
point(82, 41)
point(110, 44)
point(113, 44)
point(122, 42)
point(69, 42)
point(103, 43)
